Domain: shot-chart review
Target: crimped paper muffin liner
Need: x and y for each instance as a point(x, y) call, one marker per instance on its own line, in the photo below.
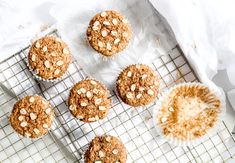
point(136, 107)
point(179, 142)
point(90, 78)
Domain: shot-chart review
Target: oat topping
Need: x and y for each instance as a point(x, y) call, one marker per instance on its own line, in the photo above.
point(171, 109)
point(156, 83)
point(53, 54)
point(133, 86)
point(44, 102)
point(23, 124)
point(47, 64)
point(45, 126)
point(33, 116)
point(163, 119)
point(59, 63)
point(91, 100)
point(138, 96)
point(72, 107)
point(98, 161)
point(116, 41)
point(129, 73)
point(48, 110)
point(97, 118)
point(124, 34)
point(138, 66)
point(100, 44)
point(114, 21)
point(108, 138)
point(37, 45)
point(144, 76)
point(93, 82)
point(136, 86)
point(99, 150)
point(83, 104)
point(141, 89)
point(95, 28)
point(96, 23)
point(96, 91)
point(79, 92)
point(65, 51)
point(150, 92)
point(102, 108)
point(80, 116)
point(88, 94)
point(103, 14)
point(101, 154)
point(83, 90)
point(109, 46)
point(115, 151)
point(31, 99)
point(129, 95)
point(98, 101)
point(57, 71)
point(33, 58)
point(27, 134)
point(44, 49)
point(125, 21)
point(47, 55)
point(23, 111)
point(92, 119)
point(105, 33)
point(106, 23)
point(36, 131)
point(21, 118)
point(114, 33)
point(32, 120)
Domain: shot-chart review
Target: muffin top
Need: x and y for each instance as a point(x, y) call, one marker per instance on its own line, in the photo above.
point(89, 100)
point(32, 116)
point(189, 111)
point(137, 85)
point(109, 33)
point(106, 149)
point(49, 57)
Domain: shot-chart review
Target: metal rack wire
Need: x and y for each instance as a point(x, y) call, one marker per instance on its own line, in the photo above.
point(133, 126)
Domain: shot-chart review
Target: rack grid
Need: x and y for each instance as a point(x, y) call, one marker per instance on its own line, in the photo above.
point(133, 126)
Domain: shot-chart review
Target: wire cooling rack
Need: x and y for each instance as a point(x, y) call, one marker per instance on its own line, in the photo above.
point(133, 126)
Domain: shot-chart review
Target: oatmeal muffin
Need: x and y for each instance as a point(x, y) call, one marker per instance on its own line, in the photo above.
point(137, 85)
point(49, 57)
point(109, 33)
point(32, 116)
point(89, 100)
point(188, 111)
point(106, 149)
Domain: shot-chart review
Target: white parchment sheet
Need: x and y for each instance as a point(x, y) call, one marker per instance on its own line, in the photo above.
point(143, 48)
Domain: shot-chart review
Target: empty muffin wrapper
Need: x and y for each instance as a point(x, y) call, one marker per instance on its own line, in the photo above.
point(188, 141)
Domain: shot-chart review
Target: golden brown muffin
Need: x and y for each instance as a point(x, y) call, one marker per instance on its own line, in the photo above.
point(32, 116)
point(109, 33)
